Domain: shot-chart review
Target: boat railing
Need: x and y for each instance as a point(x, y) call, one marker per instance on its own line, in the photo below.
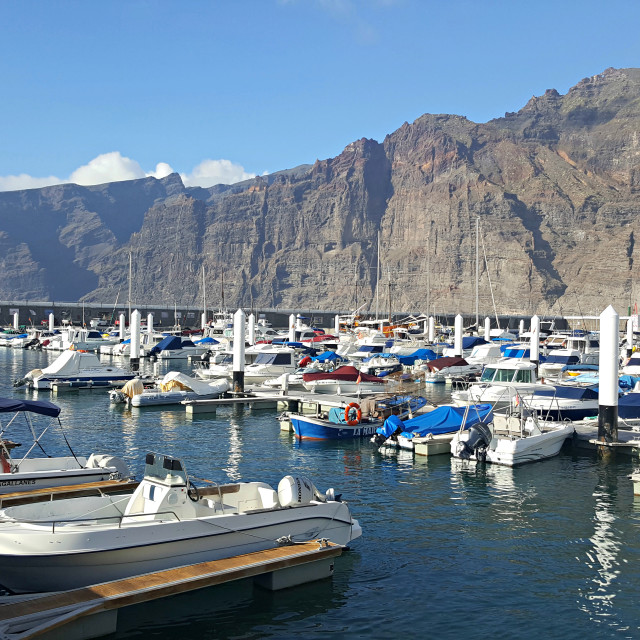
point(83, 522)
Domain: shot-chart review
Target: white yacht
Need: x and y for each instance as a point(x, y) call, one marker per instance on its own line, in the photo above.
point(77, 368)
point(166, 522)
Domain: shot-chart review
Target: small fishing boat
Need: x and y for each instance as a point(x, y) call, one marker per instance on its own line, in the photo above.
point(166, 522)
point(445, 419)
point(511, 439)
point(18, 473)
point(353, 420)
point(76, 368)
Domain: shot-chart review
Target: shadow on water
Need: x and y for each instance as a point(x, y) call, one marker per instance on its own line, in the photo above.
point(241, 610)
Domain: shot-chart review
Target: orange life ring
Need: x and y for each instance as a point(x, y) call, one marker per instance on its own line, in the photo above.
point(347, 412)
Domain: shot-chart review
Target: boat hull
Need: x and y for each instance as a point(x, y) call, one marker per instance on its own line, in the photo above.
point(308, 428)
point(111, 553)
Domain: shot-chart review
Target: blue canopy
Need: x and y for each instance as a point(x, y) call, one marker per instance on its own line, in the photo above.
point(34, 406)
point(580, 367)
point(326, 356)
point(170, 342)
point(444, 419)
point(207, 340)
point(418, 354)
point(573, 393)
point(629, 406)
point(468, 342)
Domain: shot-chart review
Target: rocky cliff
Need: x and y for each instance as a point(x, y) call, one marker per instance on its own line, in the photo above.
point(555, 188)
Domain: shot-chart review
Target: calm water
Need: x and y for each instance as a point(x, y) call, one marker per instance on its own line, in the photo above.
point(550, 549)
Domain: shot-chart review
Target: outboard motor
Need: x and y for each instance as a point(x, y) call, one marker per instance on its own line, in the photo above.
point(479, 439)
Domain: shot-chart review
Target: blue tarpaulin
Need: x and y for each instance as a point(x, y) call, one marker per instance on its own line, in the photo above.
point(419, 354)
point(444, 419)
point(629, 406)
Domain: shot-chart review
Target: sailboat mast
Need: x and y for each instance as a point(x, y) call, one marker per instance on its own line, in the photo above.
point(477, 271)
point(129, 288)
point(378, 280)
point(204, 296)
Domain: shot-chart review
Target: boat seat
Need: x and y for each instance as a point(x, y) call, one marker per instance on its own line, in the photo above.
point(268, 497)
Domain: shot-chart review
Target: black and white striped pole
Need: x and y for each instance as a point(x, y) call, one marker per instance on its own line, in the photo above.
point(134, 344)
point(238, 350)
point(608, 376)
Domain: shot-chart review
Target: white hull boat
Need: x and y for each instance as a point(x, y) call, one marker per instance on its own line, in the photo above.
point(76, 368)
point(511, 440)
point(26, 473)
point(165, 523)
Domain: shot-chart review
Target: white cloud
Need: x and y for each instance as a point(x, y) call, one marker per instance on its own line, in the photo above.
point(210, 172)
point(114, 167)
point(107, 167)
point(24, 181)
point(162, 171)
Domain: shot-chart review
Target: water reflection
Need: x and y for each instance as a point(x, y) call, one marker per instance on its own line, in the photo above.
point(241, 610)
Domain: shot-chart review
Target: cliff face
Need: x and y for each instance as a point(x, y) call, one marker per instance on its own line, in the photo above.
point(555, 188)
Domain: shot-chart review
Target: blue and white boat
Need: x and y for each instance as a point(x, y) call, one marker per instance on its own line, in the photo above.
point(349, 421)
point(564, 402)
point(76, 368)
point(446, 419)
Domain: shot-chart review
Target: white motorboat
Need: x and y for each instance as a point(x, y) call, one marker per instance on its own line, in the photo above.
point(270, 364)
point(443, 369)
point(166, 522)
point(500, 383)
point(177, 347)
point(76, 368)
point(511, 440)
point(174, 388)
point(25, 472)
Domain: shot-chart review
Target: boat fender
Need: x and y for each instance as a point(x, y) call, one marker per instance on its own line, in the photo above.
point(352, 406)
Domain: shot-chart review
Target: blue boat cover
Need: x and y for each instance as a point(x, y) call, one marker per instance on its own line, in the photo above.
point(207, 340)
point(336, 415)
point(572, 393)
point(580, 367)
point(170, 342)
point(34, 406)
point(444, 419)
point(418, 354)
point(629, 406)
point(326, 356)
point(468, 342)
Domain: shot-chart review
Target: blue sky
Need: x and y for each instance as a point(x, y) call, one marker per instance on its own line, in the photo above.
point(220, 90)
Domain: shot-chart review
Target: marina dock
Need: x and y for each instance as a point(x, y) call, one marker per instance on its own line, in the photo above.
point(92, 611)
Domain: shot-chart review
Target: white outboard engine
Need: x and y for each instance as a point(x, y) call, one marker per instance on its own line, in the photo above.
point(477, 441)
point(297, 491)
point(102, 461)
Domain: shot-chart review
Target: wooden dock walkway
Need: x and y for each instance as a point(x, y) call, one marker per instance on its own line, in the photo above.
point(70, 612)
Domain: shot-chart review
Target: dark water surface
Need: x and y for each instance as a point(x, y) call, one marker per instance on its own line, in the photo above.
point(549, 549)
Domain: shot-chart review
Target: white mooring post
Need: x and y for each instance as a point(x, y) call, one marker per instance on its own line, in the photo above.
point(134, 329)
point(121, 328)
point(336, 325)
point(629, 337)
point(457, 336)
point(432, 329)
point(521, 328)
point(487, 329)
point(534, 353)
point(608, 378)
point(251, 329)
point(16, 320)
point(150, 323)
point(239, 321)
point(52, 321)
point(292, 328)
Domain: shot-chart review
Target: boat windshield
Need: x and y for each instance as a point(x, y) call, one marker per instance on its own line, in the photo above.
point(164, 469)
point(492, 374)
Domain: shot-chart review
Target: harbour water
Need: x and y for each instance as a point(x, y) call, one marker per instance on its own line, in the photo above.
point(549, 549)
